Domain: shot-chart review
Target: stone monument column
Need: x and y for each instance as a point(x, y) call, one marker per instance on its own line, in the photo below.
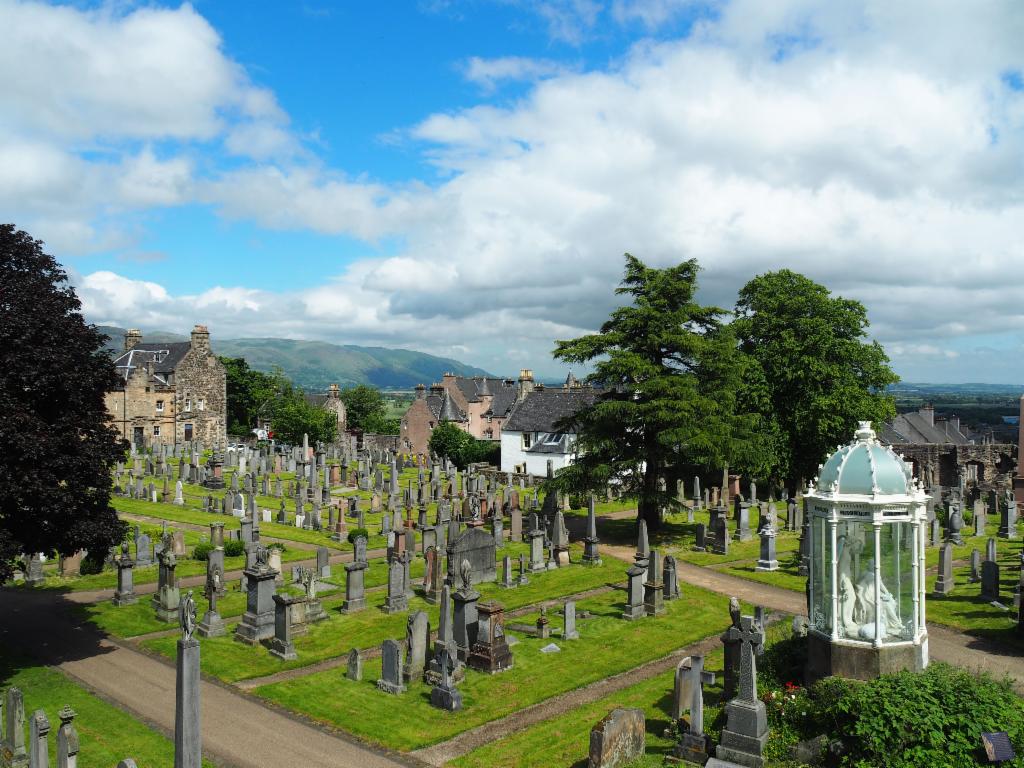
point(188, 744)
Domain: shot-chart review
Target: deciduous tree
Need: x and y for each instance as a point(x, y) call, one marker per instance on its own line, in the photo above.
point(818, 373)
point(57, 445)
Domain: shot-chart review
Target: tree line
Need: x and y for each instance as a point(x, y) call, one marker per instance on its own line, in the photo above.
point(766, 389)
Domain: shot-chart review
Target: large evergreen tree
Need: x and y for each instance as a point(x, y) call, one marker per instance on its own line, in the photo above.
point(670, 372)
point(819, 375)
point(56, 446)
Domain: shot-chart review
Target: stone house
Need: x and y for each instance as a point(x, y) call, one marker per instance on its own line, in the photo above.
point(331, 401)
point(170, 392)
point(533, 433)
point(478, 405)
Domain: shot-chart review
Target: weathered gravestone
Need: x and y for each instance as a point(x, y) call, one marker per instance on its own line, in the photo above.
point(944, 583)
point(688, 694)
point(619, 738)
point(417, 637)
point(391, 668)
point(746, 730)
point(475, 546)
point(354, 669)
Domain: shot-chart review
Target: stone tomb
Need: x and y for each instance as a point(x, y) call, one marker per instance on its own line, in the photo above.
point(476, 546)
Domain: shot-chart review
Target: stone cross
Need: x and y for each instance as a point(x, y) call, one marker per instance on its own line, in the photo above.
point(750, 636)
point(689, 691)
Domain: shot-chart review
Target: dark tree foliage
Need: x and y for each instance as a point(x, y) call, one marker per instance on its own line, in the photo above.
point(366, 410)
point(57, 446)
point(813, 373)
point(670, 373)
point(250, 393)
point(461, 447)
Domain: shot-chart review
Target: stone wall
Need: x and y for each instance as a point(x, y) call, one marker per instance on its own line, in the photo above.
point(201, 396)
point(992, 465)
point(136, 407)
point(417, 424)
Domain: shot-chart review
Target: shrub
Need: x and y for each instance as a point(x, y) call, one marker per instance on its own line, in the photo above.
point(912, 720)
point(233, 548)
point(202, 551)
point(356, 533)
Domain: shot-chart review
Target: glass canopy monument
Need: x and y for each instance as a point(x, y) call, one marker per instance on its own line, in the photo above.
point(867, 574)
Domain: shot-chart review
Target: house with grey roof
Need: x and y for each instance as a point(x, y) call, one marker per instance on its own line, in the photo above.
point(169, 392)
point(535, 434)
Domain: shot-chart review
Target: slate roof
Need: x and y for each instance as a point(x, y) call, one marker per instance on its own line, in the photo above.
point(435, 403)
point(165, 355)
point(542, 409)
point(503, 392)
point(914, 428)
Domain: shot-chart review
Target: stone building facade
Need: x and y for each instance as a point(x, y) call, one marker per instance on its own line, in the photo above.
point(170, 393)
point(331, 401)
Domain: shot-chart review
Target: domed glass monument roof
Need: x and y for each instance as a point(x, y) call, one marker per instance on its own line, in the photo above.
point(865, 468)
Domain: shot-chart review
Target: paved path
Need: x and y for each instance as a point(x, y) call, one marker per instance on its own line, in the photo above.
point(238, 730)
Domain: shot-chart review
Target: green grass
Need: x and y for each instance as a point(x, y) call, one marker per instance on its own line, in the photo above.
point(106, 734)
point(608, 645)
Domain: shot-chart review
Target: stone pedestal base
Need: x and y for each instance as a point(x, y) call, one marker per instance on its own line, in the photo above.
point(124, 599)
point(745, 735)
point(397, 603)
point(860, 661)
point(389, 687)
point(282, 650)
point(315, 611)
point(446, 698)
point(212, 625)
point(654, 598)
point(767, 565)
point(634, 612)
point(692, 748)
point(255, 627)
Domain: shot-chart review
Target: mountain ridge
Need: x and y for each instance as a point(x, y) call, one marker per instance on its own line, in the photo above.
point(314, 365)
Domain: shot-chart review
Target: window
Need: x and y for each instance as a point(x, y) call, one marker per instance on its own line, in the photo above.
point(156, 431)
point(188, 431)
point(201, 404)
point(527, 439)
point(159, 406)
point(188, 404)
point(553, 438)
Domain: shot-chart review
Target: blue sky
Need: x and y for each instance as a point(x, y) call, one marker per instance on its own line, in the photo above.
point(463, 177)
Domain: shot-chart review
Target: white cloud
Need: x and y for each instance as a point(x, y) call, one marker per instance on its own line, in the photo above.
point(874, 146)
point(489, 73)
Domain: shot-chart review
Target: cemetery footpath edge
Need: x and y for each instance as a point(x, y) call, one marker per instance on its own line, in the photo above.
point(238, 730)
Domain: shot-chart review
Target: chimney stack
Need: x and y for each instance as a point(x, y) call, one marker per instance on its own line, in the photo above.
point(132, 338)
point(421, 392)
point(201, 339)
point(525, 382)
point(929, 414)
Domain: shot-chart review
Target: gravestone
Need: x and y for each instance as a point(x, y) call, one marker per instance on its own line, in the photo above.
point(39, 732)
point(354, 669)
point(559, 540)
point(125, 592)
point(688, 693)
point(168, 596)
point(569, 631)
point(990, 550)
point(730, 645)
point(670, 578)
point(507, 580)
point(990, 580)
point(188, 743)
point(397, 599)
point(432, 576)
point(975, 576)
point(465, 614)
point(746, 730)
point(281, 644)
point(620, 738)
point(768, 560)
point(258, 620)
point(391, 668)
point(700, 537)
point(67, 739)
point(143, 549)
point(212, 625)
point(591, 552)
point(475, 546)
point(323, 563)
point(355, 590)
point(490, 652)
point(944, 582)
point(634, 608)
point(13, 745)
point(417, 636)
point(654, 597)
point(444, 694)
point(720, 530)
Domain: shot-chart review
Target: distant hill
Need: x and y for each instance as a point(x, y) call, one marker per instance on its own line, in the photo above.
point(314, 365)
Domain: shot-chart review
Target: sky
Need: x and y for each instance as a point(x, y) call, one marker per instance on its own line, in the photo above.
point(463, 178)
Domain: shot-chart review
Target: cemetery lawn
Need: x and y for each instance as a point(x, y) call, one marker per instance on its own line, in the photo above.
point(231, 661)
point(609, 645)
point(106, 734)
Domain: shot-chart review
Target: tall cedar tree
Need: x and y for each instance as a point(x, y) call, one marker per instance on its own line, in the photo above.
point(819, 375)
point(58, 447)
point(670, 371)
